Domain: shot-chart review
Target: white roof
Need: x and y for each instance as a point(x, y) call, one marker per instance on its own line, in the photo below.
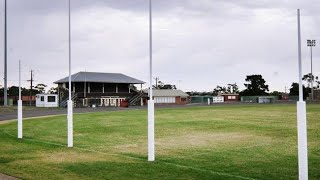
point(167, 93)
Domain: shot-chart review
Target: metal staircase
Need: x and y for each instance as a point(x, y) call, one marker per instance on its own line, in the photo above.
point(135, 100)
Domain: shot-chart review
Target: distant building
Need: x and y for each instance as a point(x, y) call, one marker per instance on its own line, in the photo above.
point(230, 97)
point(265, 99)
point(99, 89)
point(168, 96)
point(47, 100)
point(285, 96)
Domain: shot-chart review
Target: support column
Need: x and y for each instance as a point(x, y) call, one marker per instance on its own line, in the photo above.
point(116, 88)
point(85, 89)
point(102, 87)
point(89, 88)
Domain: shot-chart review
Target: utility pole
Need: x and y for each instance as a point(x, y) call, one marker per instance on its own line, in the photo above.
point(5, 93)
point(157, 80)
point(285, 89)
point(31, 86)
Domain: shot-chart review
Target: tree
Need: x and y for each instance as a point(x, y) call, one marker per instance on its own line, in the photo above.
point(13, 91)
point(294, 90)
point(310, 78)
point(233, 88)
point(161, 85)
point(219, 90)
point(168, 86)
point(276, 93)
point(41, 88)
point(53, 90)
point(255, 87)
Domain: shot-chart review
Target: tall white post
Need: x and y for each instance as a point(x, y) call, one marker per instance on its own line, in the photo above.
point(70, 104)
point(5, 90)
point(20, 106)
point(151, 148)
point(301, 119)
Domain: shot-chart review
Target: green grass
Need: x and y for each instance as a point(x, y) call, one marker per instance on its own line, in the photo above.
point(217, 142)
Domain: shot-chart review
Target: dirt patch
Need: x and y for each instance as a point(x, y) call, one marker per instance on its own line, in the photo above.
point(70, 157)
point(189, 141)
point(6, 177)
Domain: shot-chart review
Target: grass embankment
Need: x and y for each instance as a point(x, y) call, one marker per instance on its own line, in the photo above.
point(218, 142)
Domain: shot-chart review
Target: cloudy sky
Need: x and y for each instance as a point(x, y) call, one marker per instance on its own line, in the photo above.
point(198, 44)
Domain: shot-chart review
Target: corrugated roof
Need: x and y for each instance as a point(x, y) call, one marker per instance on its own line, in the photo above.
point(167, 93)
point(100, 78)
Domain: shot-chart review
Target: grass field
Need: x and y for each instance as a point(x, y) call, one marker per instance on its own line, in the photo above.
point(216, 142)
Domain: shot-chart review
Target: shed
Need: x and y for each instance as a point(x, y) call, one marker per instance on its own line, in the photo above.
point(47, 100)
point(169, 96)
point(265, 99)
point(217, 99)
point(231, 97)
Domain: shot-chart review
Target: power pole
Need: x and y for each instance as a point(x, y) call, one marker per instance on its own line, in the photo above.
point(157, 79)
point(5, 93)
point(285, 89)
point(31, 82)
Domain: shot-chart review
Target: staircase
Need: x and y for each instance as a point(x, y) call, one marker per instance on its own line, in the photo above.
point(64, 103)
point(135, 100)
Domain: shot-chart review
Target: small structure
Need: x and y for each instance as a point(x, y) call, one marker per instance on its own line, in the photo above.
point(47, 100)
point(231, 97)
point(217, 99)
point(200, 99)
point(265, 99)
point(285, 96)
point(168, 96)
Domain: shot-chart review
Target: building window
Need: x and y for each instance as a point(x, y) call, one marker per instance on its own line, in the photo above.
point(51, 99)
point(183, 99)
point(41, 98)
point(233, 97)
point(229, 97)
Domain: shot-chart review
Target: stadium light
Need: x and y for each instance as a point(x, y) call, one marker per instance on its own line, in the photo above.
point(70, 104)
point(311, 43)
point(151, 148)
point(301, 118)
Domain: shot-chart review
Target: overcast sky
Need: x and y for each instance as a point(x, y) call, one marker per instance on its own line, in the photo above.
point(198, 44)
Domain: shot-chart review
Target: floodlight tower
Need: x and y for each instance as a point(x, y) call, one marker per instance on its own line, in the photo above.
point(311, 43)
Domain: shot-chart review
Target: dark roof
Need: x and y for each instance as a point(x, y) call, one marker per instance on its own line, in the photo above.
point(100, 78)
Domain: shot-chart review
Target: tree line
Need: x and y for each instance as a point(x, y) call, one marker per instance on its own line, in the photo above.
point(256, 86)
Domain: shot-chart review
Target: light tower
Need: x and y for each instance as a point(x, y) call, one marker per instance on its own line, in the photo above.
point(311, 43)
